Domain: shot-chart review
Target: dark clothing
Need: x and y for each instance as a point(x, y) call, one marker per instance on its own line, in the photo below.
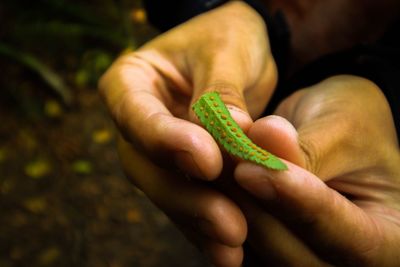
point(167, 14)
point(378, 62)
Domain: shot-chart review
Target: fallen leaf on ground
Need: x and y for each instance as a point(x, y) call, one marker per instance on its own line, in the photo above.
point(82, 167)
point(101, 136)
point(38, 168)
point(49, 256)
point(53, 109)
point(35, 204)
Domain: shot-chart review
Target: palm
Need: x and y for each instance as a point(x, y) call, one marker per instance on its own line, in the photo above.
point(344, 201)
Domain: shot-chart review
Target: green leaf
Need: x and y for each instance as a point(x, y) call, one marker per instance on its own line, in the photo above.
point(38, 168)
point(49, 76)
point(213, 114)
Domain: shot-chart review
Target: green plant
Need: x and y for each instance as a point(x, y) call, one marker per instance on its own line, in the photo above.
point(214, 115)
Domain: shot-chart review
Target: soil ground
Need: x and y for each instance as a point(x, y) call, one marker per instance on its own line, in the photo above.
point(64, 200)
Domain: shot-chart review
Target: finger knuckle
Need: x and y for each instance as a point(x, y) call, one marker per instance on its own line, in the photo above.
point(312, 154)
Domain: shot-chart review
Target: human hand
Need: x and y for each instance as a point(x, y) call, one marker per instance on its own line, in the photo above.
point(149, 92)
point(208, 218)
point(341, 204)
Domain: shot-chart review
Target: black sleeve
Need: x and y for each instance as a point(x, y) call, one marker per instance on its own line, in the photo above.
point(165, 15)
point(378, 62)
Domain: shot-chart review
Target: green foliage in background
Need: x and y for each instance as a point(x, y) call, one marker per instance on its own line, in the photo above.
point(63, 43)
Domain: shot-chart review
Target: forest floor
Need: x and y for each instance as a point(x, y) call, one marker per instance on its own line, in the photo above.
point(64, 200)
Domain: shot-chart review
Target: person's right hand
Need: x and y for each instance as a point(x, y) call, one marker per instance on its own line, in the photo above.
point(208, 218)
point(149, 92)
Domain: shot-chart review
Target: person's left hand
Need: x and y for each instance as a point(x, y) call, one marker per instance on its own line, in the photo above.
point(339, 204)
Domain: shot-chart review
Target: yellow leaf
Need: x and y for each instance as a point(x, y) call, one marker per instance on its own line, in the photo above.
point(53, 109)
point(101, 136)
point(38, 168)
point(49, 256)
point(139, 15)
point(35, 204)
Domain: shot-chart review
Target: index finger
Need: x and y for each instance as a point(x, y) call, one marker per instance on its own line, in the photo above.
point(133, 92)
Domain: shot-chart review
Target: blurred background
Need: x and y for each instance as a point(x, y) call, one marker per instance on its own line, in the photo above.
point(64, 200)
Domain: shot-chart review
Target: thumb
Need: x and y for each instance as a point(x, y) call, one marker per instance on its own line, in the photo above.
point(340, 124)
point(210, 77)
point(245, 85)
point(329, 222)
point(234, 101)
point(279, 137)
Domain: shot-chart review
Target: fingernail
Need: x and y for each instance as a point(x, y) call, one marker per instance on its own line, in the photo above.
point(185, 162)
point(240, 116)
